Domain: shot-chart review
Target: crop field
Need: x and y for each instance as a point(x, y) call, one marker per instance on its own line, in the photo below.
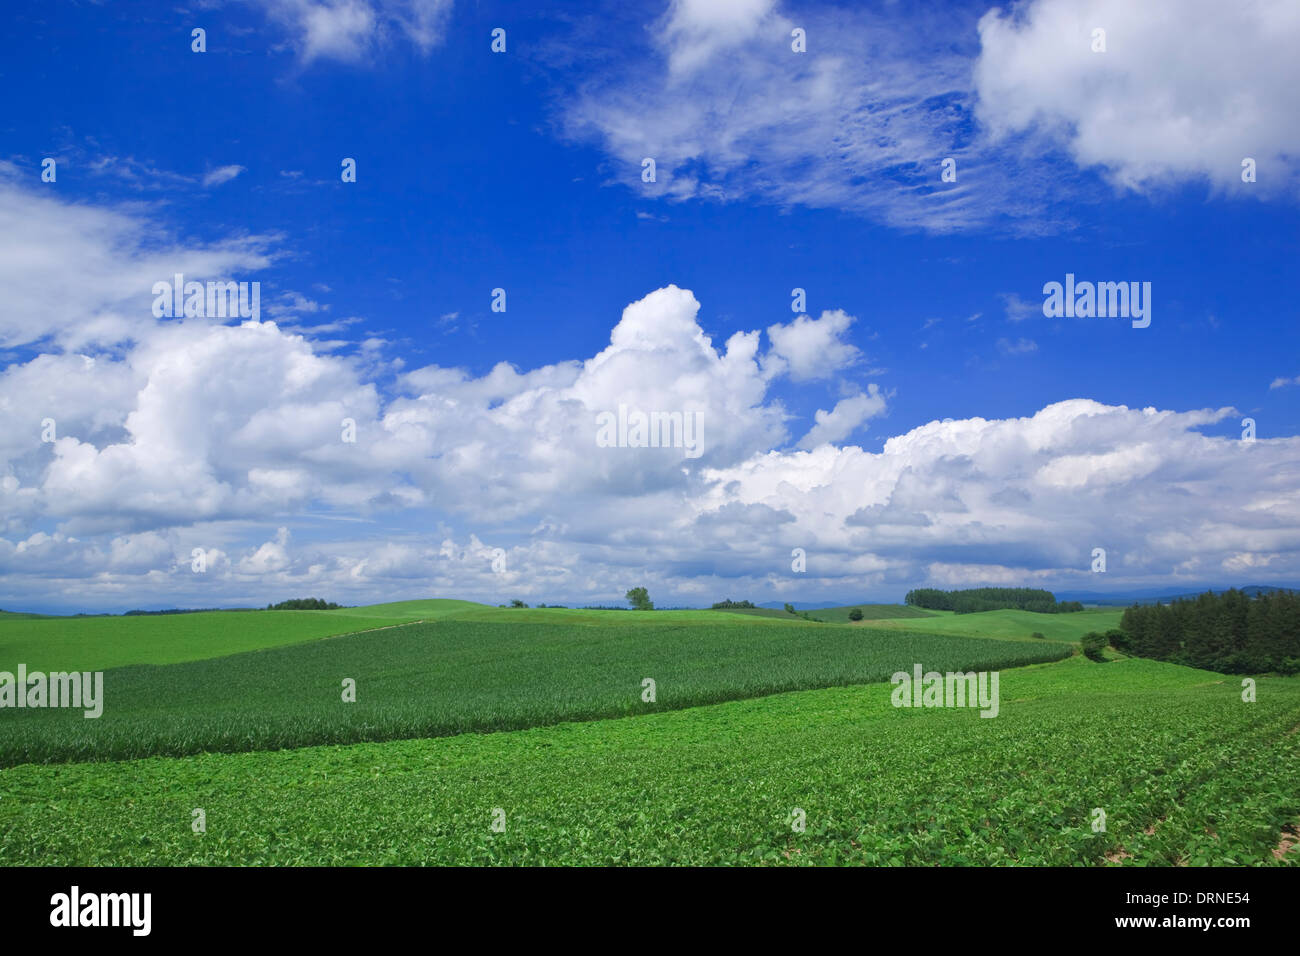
point(837, 615)
point(96, 643)
point(448, 677)
point(871, 612)
point(1185, 772)
point(1009, 625)
point(466, 714)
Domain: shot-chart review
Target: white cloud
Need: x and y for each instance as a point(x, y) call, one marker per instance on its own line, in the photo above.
point(351, 30)
point(1027, 499)
point(1185, 89)
point(844, 419)
point(812, 348)
point(293, 304)
point(1018, 347)
point(192, 434)
point(730, 112)
point(222, 174)
point(864, 119)
point(1018, 309)
point(272, 556)
point(695, 30)
point(82, 275)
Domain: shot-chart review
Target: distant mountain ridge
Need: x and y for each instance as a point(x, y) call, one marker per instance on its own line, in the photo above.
point(1162, 595)
point(1103, 598)
point(811, 606)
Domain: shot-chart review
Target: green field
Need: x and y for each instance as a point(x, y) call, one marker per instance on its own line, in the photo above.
point(871, 612)
point(837, 615)
point(1010, 625)
point(441, 678)
point(98, 643)
point(1186, 773)
point(755, 715)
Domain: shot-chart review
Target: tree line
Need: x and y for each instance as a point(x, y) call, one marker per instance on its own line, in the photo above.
point(304, 604)
point(972, 600)
point(1230, 632)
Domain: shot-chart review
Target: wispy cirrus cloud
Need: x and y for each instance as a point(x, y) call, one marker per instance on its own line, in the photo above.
point(1017, 347)
point(116, 256)
point(222, 174)
point(729, 111)
point(714, 93)
point(1018, 309)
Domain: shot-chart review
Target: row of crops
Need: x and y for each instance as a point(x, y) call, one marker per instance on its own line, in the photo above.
point(439, 679)
point(1184, 770)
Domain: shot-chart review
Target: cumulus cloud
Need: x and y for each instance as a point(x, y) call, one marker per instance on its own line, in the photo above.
point(953, 503)
point(812, 348)
point(236, 440)
point(1185, 88)
point(351, 30)
point(976, 501)
point(695, 30)
point(844, 419)
point(271, 556)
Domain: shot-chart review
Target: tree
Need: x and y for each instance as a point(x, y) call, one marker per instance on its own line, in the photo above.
point(1231, 632)
point(518, 603)
point(1093, 644)
point(304, 604)
point(789, 608)
point(855, 614)
point(639, 598)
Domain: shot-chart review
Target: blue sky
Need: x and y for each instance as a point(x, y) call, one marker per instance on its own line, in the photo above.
point(521, 170)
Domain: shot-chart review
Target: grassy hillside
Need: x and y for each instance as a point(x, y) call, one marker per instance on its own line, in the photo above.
point(1009, 625)
point(431, 609)
point(838, 615)
point(769, 612)
point(1185, 771)
point(456, 676)
point(98, 643)
point(871, 612)
point(557, 615)
point(18, 616)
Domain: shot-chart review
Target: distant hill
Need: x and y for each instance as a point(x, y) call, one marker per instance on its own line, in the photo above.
point(839, 613)
point(1161, 595)
point(801, 605)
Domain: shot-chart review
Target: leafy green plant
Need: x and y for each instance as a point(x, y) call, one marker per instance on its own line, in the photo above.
point(1093, 645)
